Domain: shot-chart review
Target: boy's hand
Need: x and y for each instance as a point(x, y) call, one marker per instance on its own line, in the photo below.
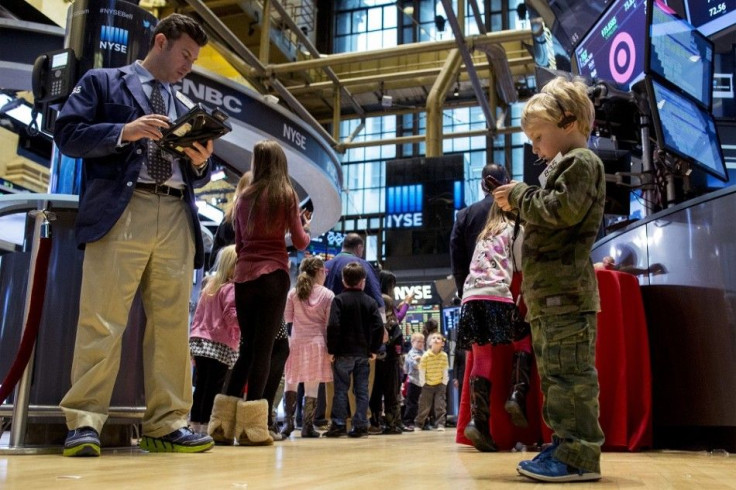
point(501, 195)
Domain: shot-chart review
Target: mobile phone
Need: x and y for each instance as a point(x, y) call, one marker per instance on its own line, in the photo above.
point(491, 182)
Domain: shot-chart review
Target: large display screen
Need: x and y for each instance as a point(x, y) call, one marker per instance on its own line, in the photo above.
point(422, 197)
point(711, 16)
point(680, 54)
point(685, 129)
point(613, 50)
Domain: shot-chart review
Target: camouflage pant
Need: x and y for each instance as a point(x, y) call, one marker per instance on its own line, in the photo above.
point(565, 349)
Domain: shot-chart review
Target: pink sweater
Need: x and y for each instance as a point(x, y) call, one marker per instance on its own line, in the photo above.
point(262, 252)
point(215, 318)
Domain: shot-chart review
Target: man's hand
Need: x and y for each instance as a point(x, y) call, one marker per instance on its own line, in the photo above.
point(501, 195)
point(148, 126)
point(199, 154)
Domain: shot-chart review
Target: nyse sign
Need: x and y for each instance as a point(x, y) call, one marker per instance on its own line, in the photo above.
point(404, 220)
point(421, 292)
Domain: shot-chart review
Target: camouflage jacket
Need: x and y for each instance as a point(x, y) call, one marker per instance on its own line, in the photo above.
point(561, 220)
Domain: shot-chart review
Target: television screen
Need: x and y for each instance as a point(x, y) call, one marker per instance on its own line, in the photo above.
point(613, 50)
point(711, 16)
point(680, 54)
point(685, 128)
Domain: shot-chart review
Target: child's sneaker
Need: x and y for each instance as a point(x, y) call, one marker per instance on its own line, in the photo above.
point(551, 469)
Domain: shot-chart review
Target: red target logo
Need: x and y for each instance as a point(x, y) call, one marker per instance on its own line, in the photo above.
point(622, 57)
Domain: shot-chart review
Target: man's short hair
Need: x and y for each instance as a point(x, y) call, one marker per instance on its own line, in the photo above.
point(352, 241)
point(176, 25)
point(352, 274)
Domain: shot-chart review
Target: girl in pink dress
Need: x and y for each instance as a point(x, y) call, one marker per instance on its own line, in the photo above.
point(308, 309)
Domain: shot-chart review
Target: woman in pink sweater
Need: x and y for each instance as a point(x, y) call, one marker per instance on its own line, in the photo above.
point(266, 210)
point(308, 309)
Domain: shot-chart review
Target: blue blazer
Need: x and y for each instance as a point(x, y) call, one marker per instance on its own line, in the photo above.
point(88, 127)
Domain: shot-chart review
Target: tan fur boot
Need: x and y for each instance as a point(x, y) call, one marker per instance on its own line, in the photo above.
point(222, 421)
point(251, 423)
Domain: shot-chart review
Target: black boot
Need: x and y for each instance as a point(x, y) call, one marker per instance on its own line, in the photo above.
point(289, 409)
point(516, 404)
point(310, 405)
point(478, 430)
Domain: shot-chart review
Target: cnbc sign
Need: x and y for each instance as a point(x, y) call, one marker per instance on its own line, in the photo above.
point(404, 206)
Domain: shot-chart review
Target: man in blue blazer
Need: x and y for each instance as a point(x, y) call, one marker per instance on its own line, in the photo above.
point(138, 225)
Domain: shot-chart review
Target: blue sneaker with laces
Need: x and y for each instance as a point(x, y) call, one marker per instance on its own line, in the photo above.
point(551, 469)
point(183, 440)
point(544, 454)
point(84, 441)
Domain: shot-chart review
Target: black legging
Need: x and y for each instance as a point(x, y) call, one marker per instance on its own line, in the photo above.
point(260, 305)
point(209, 378)
point(279, 354)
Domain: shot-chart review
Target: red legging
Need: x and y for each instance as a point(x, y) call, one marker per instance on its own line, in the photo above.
point(482, 356)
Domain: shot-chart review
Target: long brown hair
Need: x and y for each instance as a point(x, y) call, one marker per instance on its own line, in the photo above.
point(307, 272)
point(270, 176)
point(244, 182)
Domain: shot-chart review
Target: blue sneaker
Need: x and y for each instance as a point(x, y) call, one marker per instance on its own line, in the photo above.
point(183, 440)
point(553, 470)
point(544, 454)
point(84, 441)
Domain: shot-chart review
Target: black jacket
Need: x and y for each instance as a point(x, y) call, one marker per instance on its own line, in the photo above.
point(355, 327)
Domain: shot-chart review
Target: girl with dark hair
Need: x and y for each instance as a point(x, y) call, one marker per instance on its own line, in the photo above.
point(387, 372)
point(266, 210)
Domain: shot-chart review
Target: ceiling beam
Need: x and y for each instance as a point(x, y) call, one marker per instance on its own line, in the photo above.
point(465, 53)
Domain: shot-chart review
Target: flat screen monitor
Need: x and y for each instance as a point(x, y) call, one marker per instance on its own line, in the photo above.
point(685, 128)
point(711, 16)
point(573, 18)
point(613, 49)
point(680, 54)
point(417, 316)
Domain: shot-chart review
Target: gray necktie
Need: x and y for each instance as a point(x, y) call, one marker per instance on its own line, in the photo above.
point(159, 168)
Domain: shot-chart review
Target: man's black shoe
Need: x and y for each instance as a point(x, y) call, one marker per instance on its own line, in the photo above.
point(358, 432)
point(335, 431)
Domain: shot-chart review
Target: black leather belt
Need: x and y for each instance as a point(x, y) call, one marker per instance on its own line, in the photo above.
point(162, 190)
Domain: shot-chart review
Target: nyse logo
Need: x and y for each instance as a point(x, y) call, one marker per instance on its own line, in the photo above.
point(295, 137)
point(404, 206)
point(114, 39)
point(420, 291)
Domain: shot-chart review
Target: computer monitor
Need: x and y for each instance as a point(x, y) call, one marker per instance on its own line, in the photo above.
point(680, 54)
point(417, 316)
point(613, 49)
point(685, 128)
point(450, 319)
point(711, 17)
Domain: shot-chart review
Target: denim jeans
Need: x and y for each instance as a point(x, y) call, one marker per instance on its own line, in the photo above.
point(342, 368)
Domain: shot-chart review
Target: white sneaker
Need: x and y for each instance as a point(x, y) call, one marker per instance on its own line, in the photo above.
point(441, 428)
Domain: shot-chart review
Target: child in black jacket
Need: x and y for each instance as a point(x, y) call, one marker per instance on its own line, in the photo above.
point(354, 335)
